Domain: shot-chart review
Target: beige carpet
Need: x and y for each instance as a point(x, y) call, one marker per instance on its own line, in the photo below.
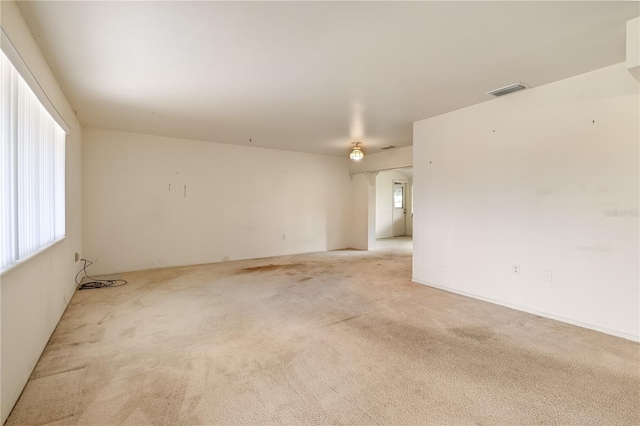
point(331, 338)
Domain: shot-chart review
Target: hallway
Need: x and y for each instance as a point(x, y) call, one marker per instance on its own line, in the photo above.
point(398, 245)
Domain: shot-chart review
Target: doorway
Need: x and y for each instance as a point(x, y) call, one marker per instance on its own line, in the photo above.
point(399, 211)
point(393, 203)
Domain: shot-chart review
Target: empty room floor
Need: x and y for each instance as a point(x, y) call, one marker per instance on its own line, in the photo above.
point(336, 337)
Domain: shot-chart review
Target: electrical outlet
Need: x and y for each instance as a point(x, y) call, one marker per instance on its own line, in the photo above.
point(548, 276)
point(77, 257)
point(515, 269)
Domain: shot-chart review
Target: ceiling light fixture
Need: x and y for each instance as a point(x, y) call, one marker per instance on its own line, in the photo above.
point(356, 154)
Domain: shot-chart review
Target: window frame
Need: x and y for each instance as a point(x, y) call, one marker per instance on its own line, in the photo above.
point(15, 59)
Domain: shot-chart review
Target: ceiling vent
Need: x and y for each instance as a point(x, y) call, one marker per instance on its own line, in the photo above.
point(507, 89)
point(388, 147)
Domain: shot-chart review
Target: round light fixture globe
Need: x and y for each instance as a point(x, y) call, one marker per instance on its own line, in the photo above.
point(356, 154)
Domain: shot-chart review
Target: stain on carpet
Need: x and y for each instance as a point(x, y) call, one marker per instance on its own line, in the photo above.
point(343, 320)
point(474, 333)
point(269, 268)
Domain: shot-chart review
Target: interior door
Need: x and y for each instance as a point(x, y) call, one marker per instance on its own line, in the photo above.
point(399, 208)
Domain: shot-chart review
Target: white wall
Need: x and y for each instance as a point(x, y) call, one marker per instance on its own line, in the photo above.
point(528, 179)
point(360, 220)
point(633, 47)
point(241, 202)
point(410, 208)
point(35, 293)
point(384, 203)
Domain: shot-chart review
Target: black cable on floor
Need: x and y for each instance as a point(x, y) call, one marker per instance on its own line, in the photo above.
point(95, 282)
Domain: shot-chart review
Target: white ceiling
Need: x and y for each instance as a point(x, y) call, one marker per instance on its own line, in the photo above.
point(408, 172)
point(310, 76)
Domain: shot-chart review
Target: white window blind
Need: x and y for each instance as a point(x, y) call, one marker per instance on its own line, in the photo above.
point(32, 211)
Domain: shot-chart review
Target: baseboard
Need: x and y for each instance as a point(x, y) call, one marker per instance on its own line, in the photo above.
point(533, 311)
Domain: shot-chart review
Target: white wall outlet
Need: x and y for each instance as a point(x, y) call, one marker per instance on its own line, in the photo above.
point(515, 269)
point(548, 276)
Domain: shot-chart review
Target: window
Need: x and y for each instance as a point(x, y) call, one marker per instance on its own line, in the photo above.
point(32, 170)
point(398, 195)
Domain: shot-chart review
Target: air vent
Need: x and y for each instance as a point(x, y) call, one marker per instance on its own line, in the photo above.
point(507, 89)
point(388, 147)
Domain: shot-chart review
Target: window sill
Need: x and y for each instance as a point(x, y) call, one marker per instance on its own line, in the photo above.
point(38, 252)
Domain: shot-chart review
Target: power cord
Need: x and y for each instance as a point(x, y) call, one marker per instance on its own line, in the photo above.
point(94, 282)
